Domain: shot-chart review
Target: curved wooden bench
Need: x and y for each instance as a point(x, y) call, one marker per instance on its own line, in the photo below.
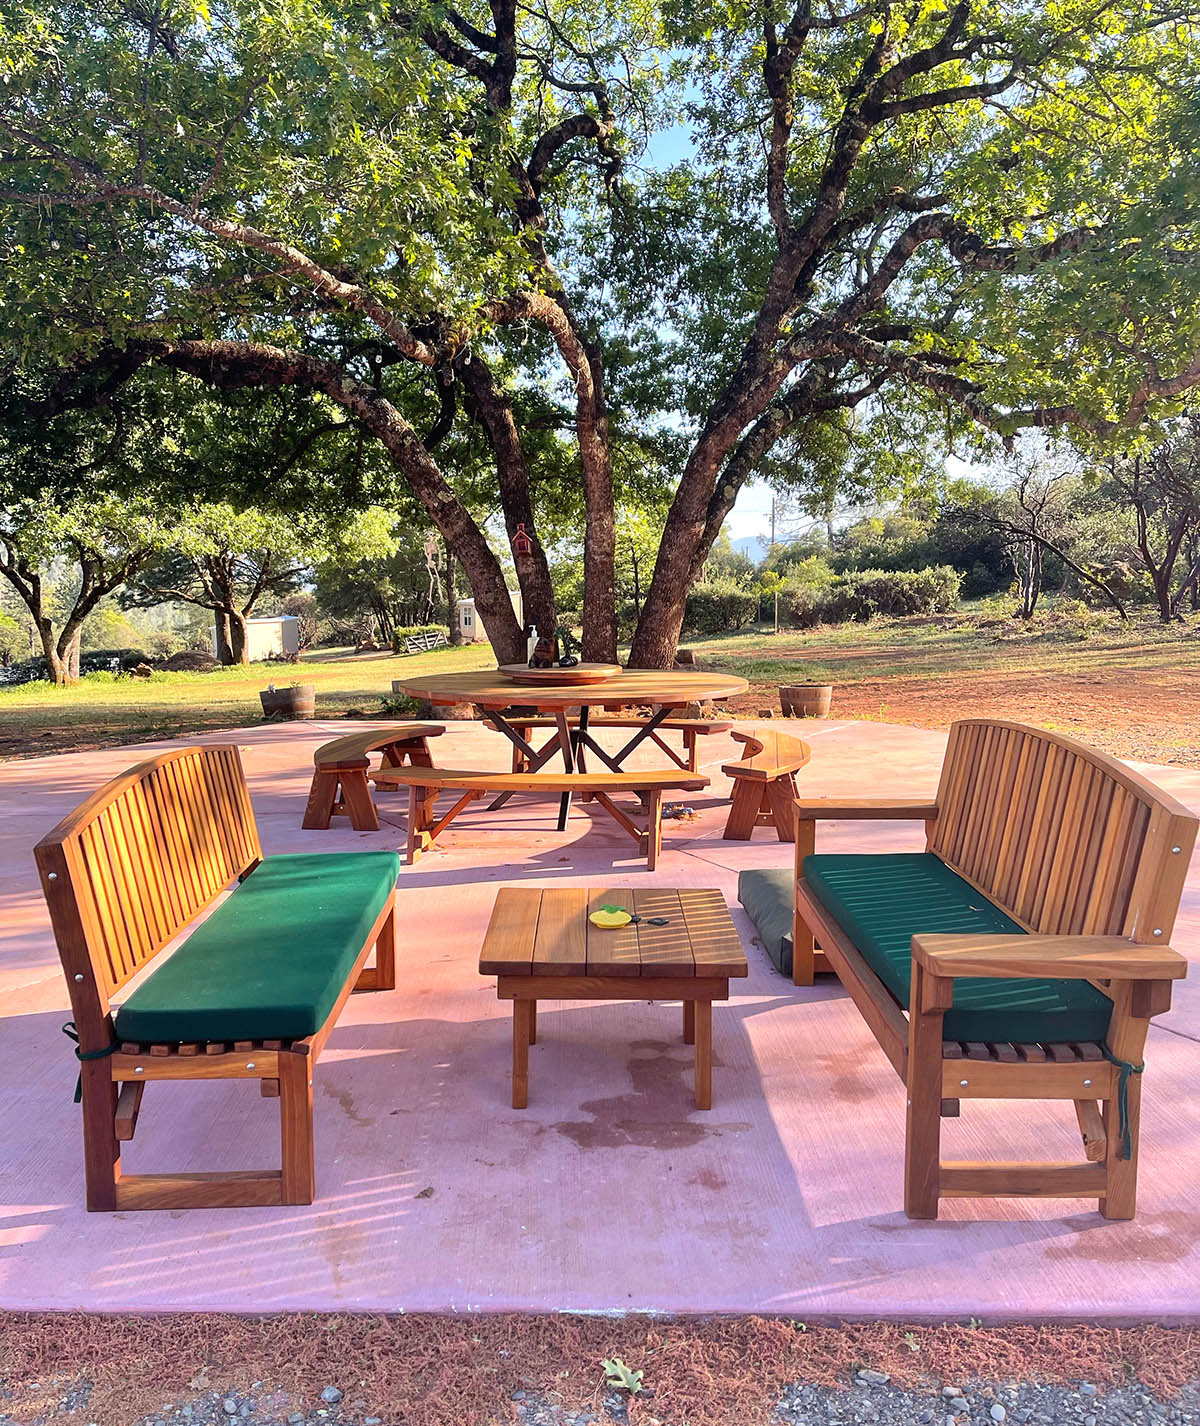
point(339, 784)
point(129, 870)
point(424, 784)
point(764, 784)
point(1058, 873)
point(691, 728)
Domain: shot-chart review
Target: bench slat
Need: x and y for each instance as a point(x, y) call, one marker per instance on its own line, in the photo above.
point(538, 781)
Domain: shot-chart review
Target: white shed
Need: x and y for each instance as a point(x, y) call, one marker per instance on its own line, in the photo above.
point(273, 636)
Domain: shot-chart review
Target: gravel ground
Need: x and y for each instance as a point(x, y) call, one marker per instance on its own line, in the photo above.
point(870, 1399)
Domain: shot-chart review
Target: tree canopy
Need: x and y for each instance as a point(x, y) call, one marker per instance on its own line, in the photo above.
point(889, 222)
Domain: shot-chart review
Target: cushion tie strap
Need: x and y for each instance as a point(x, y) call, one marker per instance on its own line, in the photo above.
point(72, 1034)
point(1123, 1097)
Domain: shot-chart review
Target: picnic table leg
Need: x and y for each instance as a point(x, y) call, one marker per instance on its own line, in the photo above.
point(703, 1033)
point(568, 752)
point(689, 1022)
point(523, 1014)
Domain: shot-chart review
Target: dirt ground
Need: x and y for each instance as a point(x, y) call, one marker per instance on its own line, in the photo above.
point(1131, 715)
point(480, 1369)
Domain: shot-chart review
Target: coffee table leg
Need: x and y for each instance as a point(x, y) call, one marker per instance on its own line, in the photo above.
point(703, 1029)
point(689, 1022)
point(523, 1013)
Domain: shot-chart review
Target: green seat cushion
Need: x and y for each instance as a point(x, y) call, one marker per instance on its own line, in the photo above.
point(882, 900)
point(769, 897)
point(270, 962)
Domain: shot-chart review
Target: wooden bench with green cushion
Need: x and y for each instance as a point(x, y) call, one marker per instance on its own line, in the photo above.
point(1020, 956)
point(424, 784)
point(253, 990)
point(339, 783)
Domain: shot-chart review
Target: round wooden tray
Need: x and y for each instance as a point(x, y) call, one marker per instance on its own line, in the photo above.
point(582, 673)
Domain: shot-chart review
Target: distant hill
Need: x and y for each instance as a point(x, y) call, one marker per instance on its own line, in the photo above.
point(753, 545)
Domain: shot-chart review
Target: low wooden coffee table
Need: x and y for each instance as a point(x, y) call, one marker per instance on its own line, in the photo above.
point(541, 946)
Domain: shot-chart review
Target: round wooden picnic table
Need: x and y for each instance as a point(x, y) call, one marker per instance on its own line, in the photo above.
point(663, 691)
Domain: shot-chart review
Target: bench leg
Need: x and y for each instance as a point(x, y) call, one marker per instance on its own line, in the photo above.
point(296, 1128)
point(928, 1002)
point(523, 1031)
point(321, 798)
point(804, 945)
point(1127, 1039)
point(743, 814)
point(382, 975)
point(702, 1021)
point(101, 1150)
point(356, 798)
point(653, 828)
point(781, 795)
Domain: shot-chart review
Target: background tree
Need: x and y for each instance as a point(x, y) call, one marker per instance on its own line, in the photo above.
point(972, 214)
point(1160, 489)
point(104, 542)
point(228, 559)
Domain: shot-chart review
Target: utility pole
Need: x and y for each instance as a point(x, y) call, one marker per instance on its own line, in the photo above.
point(770, 552)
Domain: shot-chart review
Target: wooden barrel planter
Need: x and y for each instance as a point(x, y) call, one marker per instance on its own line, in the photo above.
point(298, 701)
point(805, 700)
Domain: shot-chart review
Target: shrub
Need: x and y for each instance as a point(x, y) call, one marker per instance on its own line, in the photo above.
point(870, 592)
point(719, 606)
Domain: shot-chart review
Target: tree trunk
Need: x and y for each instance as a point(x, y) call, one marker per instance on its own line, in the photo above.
point(57, 668)
point(239, 652)
point(452, 597)
point(221, 637)
point(488, 406)
point(600, 531)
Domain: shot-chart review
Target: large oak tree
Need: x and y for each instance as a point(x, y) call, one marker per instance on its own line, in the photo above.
point(976, 212)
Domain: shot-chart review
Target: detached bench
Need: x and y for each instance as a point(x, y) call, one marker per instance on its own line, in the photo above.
point(251, 993)
point(339, 784)
point(691, 728)
point(764, 784)
point(1021, 956)
point(424, 784)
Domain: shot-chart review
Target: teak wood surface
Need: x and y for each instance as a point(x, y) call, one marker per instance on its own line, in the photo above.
point(541, 945)
point(637, 687)
point(424, 784)
point(339, 783)
point(123, 875)
point(1090, 858)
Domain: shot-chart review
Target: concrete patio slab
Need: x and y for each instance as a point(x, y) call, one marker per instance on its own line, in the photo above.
point(611, 1192)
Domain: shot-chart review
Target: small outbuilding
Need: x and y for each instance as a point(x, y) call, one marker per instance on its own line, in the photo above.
point(273, 636)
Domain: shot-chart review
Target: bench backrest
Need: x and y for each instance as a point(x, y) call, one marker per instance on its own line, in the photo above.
point(144, 855)
point(1068, 840)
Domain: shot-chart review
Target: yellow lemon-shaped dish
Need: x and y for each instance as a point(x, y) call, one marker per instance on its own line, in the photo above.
point(610, 917)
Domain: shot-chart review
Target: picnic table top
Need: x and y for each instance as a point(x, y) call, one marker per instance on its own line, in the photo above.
point(546, 931)
point(670, 688)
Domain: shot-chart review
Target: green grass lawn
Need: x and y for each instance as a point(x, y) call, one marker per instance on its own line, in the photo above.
point(1129, 687)
point(39, 718)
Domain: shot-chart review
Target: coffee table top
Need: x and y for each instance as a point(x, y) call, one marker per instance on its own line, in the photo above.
point(546, 931)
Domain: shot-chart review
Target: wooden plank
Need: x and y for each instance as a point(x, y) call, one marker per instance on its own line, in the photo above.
point(253, 1189)
point(612, 987)
point(990, 1079)
point(629, 688)
point(1015, 1180)
point(614, 951)
point(1061, 957)
point(508, 942)
point(769, 754)
point(560, 940)
point(664, 950)
point(864, 809)
point(1091, 1130)
point(140, 1068)
point(538, 781)
point(716, 947)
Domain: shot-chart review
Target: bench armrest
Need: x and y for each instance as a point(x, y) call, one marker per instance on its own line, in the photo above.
point(1046, 957)
point(813, 809)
